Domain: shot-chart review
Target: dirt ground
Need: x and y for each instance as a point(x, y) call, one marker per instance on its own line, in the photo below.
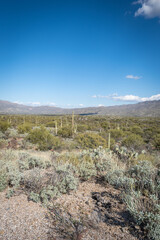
point(92, 212)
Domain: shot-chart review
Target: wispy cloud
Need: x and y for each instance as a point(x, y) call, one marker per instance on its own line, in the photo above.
point(148, 9)
point(33, 104)
point(18, 102)
point(130, 98)
point(36, 104)
point(51, 104)
point(81, 105)
point(100, 105)
point(133, 77)
point(108, 96)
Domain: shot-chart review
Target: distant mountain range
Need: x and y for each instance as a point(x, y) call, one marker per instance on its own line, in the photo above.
point(142, 109)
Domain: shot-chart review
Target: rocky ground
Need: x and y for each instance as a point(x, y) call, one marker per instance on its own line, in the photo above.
point(94, 212)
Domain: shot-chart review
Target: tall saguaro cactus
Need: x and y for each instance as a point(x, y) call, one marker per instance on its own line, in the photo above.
point(61, 123)
point(56, 128)
point(109, 140)
point(72, 123)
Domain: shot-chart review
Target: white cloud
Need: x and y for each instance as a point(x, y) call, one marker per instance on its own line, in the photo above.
point(101, 96)
point(51, 104)
point(131, 98)
point(94, 96)
point(133, 77)
point(127, 98)
point(34, 103)
point(148, 9)
point(18, 102)
point(100, 105)
point(81, 105)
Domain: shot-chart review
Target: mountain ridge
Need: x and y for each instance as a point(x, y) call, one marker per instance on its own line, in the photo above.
point(141, 109)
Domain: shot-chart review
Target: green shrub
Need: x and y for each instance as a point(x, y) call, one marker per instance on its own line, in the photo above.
point(43, 139)
point(82, 127)
point(146, 213)
point(66, 181)
point(133, 141)
point(119, 180)
point(87, 170)
point(27, 161)
point(116, 134)
point(137, 130)
point(65, 132)
point(3, 179)
point(3, 143)
point(145, 176)
point(2, 135)
point(90, 140)
point(24, 128)
point(48, 193)
point(4, 126)
point(11, 133)
point(156, 141)
point(10, 193)
point(50, 124)
point(32, 180)
point(34, 197)
point(14, 177)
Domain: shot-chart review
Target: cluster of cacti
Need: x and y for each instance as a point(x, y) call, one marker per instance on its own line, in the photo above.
point(125, 153)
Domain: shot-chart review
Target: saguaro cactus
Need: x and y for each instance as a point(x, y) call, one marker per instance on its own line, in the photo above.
point(109, 140)
point(72, 123)
point(61, 123)
point(56, 128)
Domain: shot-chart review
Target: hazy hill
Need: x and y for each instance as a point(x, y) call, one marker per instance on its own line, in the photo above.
point(143, 109)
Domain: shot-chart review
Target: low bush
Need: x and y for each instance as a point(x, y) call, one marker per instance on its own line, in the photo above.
point(32, 181)
point(43, 139)
point(27, 161)
point(65, 180)
point(3, 178)
point(90, 140)
point(4, 126)
point(133, 141)
point(24, 128)
point(65, 132)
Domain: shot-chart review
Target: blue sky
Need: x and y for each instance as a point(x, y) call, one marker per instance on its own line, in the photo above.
point(79, 53)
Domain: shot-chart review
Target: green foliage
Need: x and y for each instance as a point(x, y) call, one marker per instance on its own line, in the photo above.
point(133, 141)
point(50, 124)
point(2, 135)
point(141, 191)
point(156, 141)
point(14, 177)
point(24, 128)
point(48, 193)
point(65, 132)
point(27, 161)
point(10, 193)
point(4, 126)
point(144, 175)
point(90, 140)
point(87, 170)
point(137, 130)
point(32, 180)
point(3, 177)
point(66, 181)
point(82, 127)
point(34, 197)
point(105, 125)
point(146, 213)
point(43, 139)
point(3, 143)
point(116, 134)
